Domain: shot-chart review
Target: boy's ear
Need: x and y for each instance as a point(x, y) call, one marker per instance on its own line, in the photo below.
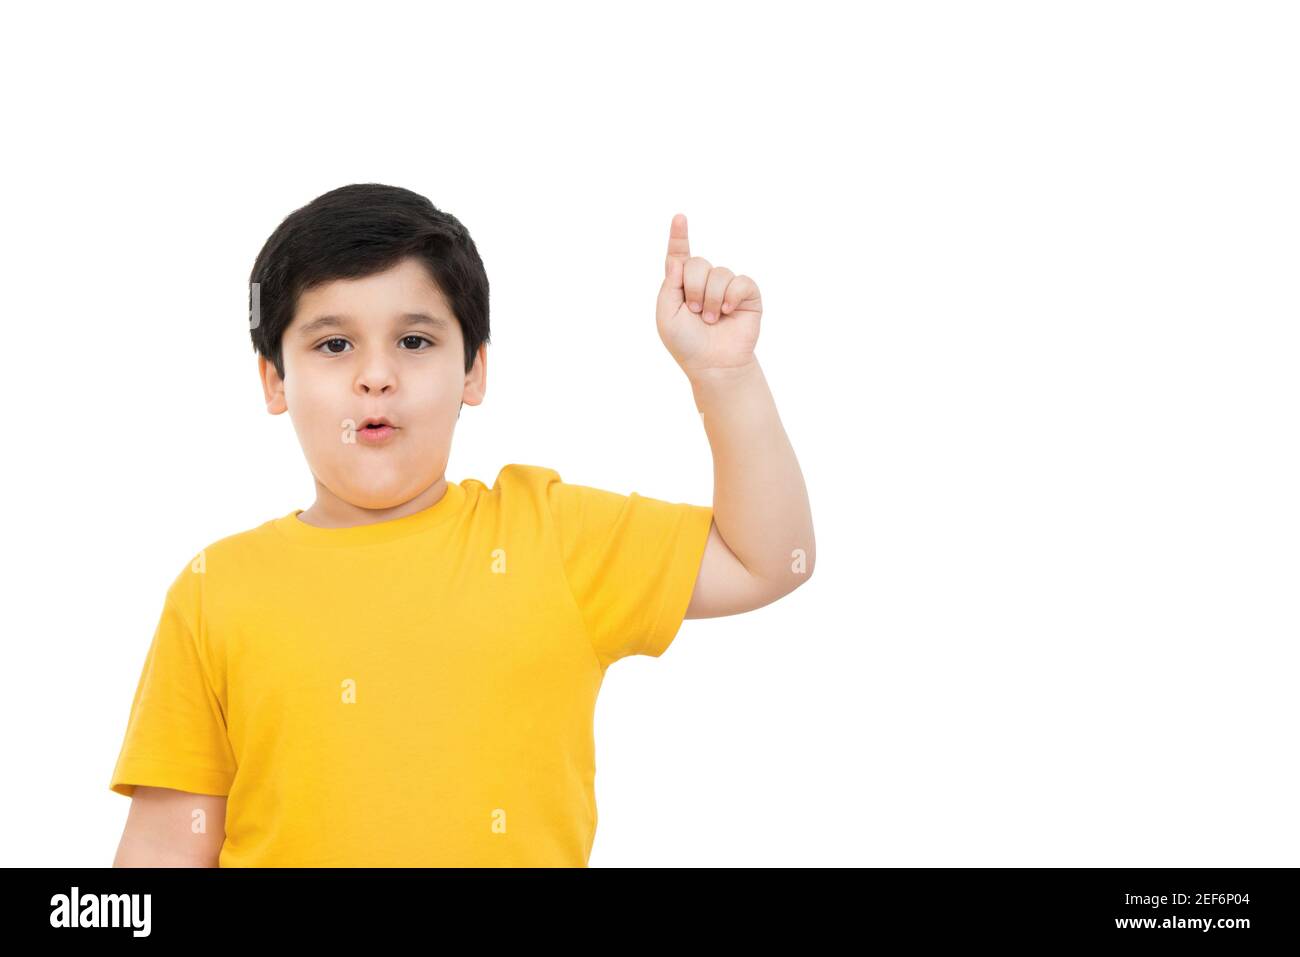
point(272, 386)
point(476, 379)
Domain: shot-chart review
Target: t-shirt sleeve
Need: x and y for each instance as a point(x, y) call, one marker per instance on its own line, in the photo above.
point(176, 734)
point(631, 562)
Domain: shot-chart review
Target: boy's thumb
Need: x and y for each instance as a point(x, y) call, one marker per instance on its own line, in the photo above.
point(671, 293)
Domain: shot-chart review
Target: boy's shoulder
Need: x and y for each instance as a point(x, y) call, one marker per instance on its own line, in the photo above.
point(538, 478)
point(235, 550)
point(539, 487)
point(518, 486)
point(518, 475)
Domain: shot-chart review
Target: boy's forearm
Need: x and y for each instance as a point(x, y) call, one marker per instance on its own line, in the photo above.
point(760, 502)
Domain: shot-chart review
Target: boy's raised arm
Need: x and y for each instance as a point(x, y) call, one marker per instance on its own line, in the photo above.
point(761, 546)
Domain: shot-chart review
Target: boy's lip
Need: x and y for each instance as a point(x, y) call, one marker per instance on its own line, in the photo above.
point(375, 420)
point(378, 436)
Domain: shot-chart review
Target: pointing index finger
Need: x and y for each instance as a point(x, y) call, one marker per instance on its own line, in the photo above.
point(679, 246)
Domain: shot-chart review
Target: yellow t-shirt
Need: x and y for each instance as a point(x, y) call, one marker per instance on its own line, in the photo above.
point(418, 692)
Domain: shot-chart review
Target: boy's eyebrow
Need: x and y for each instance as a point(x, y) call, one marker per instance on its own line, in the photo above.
point(337, 322)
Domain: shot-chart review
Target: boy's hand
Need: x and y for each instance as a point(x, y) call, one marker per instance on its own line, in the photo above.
point(707, 315)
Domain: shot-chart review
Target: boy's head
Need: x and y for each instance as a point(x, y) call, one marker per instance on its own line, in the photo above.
point(335, 316)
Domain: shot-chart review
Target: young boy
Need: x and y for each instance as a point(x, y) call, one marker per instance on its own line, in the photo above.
point(405, 673)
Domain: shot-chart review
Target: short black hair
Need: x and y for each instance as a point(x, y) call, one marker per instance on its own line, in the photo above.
point(356, 231)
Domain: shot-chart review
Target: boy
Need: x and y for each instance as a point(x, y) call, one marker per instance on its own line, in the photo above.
point(405, 673)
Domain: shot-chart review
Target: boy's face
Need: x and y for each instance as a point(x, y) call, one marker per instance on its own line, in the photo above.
point(375, 357)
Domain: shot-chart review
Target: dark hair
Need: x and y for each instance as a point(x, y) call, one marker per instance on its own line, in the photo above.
point(356, 231)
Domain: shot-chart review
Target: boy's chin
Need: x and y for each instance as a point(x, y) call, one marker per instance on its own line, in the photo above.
point(377, 503)
point(380, 497)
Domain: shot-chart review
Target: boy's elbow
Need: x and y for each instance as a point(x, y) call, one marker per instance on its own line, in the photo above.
point(803, 565)
point(788, 584)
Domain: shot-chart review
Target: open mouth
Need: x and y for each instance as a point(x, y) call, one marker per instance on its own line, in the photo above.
point(376, 430)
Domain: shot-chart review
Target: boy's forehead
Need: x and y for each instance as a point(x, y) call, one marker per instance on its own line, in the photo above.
point(406, 289)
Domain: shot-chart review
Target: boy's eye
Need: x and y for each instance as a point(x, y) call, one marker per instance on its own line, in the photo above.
point(335, 352)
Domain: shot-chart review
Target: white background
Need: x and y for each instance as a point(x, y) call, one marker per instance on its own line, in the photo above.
point(1029, 272)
